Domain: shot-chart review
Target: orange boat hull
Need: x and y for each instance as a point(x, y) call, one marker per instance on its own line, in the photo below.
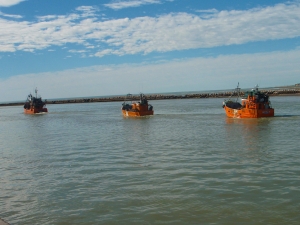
point(136, 113)
point(248, 113)
point(33, 110)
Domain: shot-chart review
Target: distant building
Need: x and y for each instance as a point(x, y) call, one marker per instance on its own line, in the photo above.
point(297, 84)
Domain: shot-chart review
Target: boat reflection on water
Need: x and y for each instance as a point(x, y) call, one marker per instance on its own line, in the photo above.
point(248, 133)
point(242, 122)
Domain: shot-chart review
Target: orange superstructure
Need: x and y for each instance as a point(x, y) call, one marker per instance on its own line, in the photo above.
point(34, 105)
point(254, 104)
point(134, 109)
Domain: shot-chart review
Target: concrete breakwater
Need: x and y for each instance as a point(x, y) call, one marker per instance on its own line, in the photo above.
point(271, 92)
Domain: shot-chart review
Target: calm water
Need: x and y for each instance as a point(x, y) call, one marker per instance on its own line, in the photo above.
point(187, 164)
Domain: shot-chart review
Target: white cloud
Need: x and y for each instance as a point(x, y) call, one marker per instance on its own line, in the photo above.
point(7, 3)
point(131, 3)
point(87, 11)
point(10, 16)
point(77, 51)
point(104, 52)
point(7, 47)
point(207, 11)
point(164, 33)
point(198, 74)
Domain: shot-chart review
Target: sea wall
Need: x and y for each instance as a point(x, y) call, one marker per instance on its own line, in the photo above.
point(186, 96)
point(271, 92)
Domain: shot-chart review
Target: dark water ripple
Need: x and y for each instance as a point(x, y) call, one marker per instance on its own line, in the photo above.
point(188, 164)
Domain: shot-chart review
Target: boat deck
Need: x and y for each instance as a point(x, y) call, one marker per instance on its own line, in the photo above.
point(233, 105)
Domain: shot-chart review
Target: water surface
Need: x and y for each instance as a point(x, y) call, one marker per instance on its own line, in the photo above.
point(187, 164)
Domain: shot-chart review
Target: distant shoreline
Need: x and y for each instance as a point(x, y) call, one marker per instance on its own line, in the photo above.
point(281, 91)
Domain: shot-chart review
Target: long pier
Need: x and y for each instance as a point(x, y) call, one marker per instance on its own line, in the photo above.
point(270, 92)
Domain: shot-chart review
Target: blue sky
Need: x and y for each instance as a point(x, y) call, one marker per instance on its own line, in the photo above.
point(76, 48)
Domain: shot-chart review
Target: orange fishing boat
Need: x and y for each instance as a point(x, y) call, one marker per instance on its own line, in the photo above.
point(254, 104)
point(140, 108)
point(35, 104)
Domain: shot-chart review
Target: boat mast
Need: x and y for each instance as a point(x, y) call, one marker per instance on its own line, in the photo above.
point(36, 90)
point(238, 91)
